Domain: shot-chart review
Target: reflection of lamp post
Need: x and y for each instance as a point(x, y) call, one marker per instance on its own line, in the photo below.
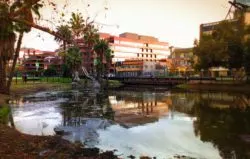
point(201, 76)
point(202, 70)
point(164, 71)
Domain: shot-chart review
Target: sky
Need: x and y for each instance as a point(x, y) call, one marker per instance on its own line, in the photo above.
point(174, 21)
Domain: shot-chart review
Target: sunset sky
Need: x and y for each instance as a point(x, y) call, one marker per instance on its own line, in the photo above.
point(173, 21)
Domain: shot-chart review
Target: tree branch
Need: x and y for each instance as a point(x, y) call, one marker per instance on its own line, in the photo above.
point(47, 30)
point(20, 10)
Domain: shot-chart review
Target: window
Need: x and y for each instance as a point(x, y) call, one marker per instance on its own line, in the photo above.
point(155, 56)
point(138, 55)
point(146, 55)
point(146, 44)
point(142, 49)
point(142, 55)
point(151, 50)
point(146, 50)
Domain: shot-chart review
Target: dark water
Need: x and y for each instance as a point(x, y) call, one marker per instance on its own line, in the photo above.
point(158, 123)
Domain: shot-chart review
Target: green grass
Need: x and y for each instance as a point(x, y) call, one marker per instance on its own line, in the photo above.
point(183, 86)
point(114, 83)
point(34, 86)
point(42, 79)
point(4, 114)
point(56, 79)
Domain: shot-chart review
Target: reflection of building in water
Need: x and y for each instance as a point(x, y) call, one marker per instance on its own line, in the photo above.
point(184, 102)
point(226, 100)
point(138, 109)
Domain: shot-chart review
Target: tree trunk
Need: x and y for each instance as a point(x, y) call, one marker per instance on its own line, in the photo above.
point(3, 88)
point(19, 43)
point(64, 46)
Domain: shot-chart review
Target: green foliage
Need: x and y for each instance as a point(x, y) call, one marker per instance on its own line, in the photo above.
point(6, 26)
point(210, 52)
point(224, 47)
point(91, 36)
point(66, 70)
point(14, 15)
point(26, 14)
point(103, 53)
point(73, 58)
point(65, 32)
point(77, 24)
point(51, 71)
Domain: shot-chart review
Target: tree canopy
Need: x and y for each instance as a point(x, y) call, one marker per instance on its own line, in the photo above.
point(225, 47)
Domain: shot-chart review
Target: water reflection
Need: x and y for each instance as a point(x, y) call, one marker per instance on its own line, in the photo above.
point(162, 124)
point(137, 108)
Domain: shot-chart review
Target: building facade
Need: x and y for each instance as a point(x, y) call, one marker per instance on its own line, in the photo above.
point(140, 68)
point(37, 60)
point(125, 48)
point(137, 47)
point(181, 61)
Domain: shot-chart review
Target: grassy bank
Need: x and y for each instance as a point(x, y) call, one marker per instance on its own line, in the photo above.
point(21, 88)
point(217, 87)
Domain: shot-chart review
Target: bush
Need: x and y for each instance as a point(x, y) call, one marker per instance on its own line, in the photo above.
point(51, 71)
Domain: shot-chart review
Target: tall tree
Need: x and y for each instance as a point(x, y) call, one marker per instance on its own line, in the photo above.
point(103, 53)
point(73, 58)
point(225, 47)
point(91, 35)
point(77, 24)
point(66, 33)
point(210, 53)
point(90, 38)
point(232, 33)
point(21, 10)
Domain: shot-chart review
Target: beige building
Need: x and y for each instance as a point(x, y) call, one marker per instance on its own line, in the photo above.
point(181, 61)
point(131, 46)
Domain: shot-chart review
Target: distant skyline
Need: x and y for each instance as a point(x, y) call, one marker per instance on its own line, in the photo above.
point(174, 21)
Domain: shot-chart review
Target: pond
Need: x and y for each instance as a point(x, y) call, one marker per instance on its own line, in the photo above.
point(159, 123)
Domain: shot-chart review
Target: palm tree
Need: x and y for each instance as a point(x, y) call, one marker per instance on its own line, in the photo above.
point(103, 53)
point(23, 11)
point(66, 33)
point(91, 35)
point(90, 38)
point(77, 24)
point(73, 58)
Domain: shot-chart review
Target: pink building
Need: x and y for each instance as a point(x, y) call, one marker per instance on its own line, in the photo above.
point(30, 58)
